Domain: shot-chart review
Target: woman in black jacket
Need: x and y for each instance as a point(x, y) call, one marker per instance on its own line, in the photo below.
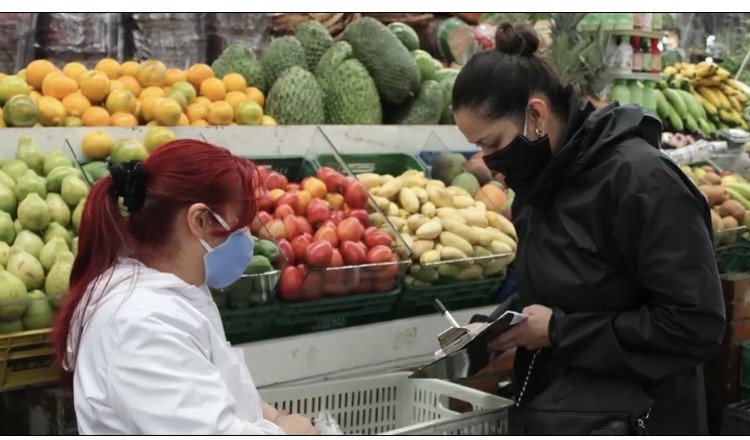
point(615, 264)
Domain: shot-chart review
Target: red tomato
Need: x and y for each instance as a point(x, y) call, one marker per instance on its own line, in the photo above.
point(350, 229)
point(389, 271)
point(334, 180)
point(334, 279)
point(290, 284)
point(265, 203)
point(282, 211)
point(290, 199)
point(327, 234)
point(378, 238)
point(359, 214)
point(313, 286)
point(379, 254)
point(275, 180)
point(370, 229)
point(365, 286)
point(292, 187)
point(355, 195)
point(383, 285)
point(299, 246)
point(260, 220)
point(318, 212)
point(353, 254)
point(337, 217)
point(286, 248)
point(319, 254)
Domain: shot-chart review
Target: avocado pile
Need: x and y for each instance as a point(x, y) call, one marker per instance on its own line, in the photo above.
point(256, 287)
point(376, 74)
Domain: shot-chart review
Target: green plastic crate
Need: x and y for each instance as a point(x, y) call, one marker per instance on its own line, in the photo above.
point(394, 164)
point(248, 324)
point(734, 258)
point(455, 295)
point(333, 313)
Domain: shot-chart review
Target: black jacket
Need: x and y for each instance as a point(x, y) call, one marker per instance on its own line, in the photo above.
point(617, 241)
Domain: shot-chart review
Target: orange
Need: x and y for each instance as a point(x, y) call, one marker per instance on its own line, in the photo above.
point(74, 70)
point(184, 121)
point(131, 68)
point(51, 112)
point(94, 85)
point(36, 71)
point(213, 89)
point(115, 84)
point(202, 100)
point(153, 73)
point(58, 85)
point(196, 112)
point(220, 113)
point(148, 107)
point(109, 67)
point(76, 104)
point(151, 91)
point(168, 112)
point(96, 117)
point(256, 95)
point(121, 100)
point(35, 95)
point(121, 119)
point(235, 99)
point(175, 75)
point(138, 112)
point(97, 145)
point(131, 84)
point(197, 73)
point(234, 82)
point(200, 123)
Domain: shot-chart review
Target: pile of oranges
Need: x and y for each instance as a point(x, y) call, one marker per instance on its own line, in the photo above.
point(134, 93)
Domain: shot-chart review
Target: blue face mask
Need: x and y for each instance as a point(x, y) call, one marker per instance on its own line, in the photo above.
point(226, 263)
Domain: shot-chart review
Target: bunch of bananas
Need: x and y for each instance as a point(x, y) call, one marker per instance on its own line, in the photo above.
point(722, 98)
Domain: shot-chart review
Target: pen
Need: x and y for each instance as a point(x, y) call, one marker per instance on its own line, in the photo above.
point(444, 312)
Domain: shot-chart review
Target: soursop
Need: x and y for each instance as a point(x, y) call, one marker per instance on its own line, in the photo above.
point(425, 109)
point(281, 54)
point(238, 58)
point(315, 39)
point(296, 99)
point(331, 59)
point(351, 97)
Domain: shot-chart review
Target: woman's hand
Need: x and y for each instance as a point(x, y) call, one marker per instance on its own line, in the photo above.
point(270, 413)
point(295, 424)
point(531, 334)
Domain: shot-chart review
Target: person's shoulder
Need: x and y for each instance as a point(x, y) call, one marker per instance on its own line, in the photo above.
point(640, 167)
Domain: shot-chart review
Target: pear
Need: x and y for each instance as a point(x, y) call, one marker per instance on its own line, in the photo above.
point(7, 231)
point(15, 169)
point(77, 213)
point(74, 247)
point(56, 230)
point(4, 251)
point(28, 151)
point(56, 176)
point(30, 242)
point(58, 278)
point(8, 200)
point(59, 211)
point(51, 250)
point(54, 160)
point(30, 183)
point(39, 314)
point(73, 190)
point(17, 226)
point(33, 213)
point(13, 297)
point(26, 268)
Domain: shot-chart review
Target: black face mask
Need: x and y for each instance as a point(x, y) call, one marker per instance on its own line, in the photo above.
point(521, 161)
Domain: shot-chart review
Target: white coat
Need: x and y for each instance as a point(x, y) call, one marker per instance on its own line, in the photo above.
point(153, 360)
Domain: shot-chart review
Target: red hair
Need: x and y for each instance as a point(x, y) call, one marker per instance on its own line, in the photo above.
point(180, 173)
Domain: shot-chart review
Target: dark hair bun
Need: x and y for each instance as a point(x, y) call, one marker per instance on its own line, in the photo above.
point(516, 39)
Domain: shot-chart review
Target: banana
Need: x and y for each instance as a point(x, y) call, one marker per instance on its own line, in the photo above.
point(706, 82)
point(723, 73)
point(689, 72)
point(710, 108)
point(709, 95)
point(736, 105)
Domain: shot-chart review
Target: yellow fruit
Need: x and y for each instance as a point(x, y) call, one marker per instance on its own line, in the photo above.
point(121, 100)
point(94, 85)
point(96, 117)
point(109, 67)
point(116, 85)
point(36, 95)
point(256, 95)
point(186, 89)
point(73, 121)
point(131, 84)
point(196, 112)
point(249, 113)
point(74, 71)
point(213, 89)
point(234, 82)
point(157, 137)
point(268, 121)
point(131, 68)
point(151, 91)
point(121, 119)
point(200, 123)
point(58, 85)
point(21, 111)
point(152, 124)
point(36, 71)
point(177, 96)
point(2, 120)
point(184, 121)
point(153, 73)
point(175, 75)
point(197, 73)
point(11, 86)
point(168, 112)
point(2, 75)
point(76, 104)
point(22, 74)
point(220, 113)
point(235, 99)
point(148, 107)
point(97, 145)
point(51, 112)
point(202, 100)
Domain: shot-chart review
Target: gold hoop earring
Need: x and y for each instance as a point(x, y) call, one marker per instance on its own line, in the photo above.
point(538, 132)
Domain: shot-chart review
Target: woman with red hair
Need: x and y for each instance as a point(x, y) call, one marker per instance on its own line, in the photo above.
point(139, 336)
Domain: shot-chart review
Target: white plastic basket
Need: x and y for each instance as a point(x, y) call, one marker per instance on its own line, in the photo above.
point(393, 404)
